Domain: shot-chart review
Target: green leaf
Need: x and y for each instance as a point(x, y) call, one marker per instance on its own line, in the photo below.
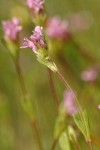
point(87, 124)
point(61, 123)
point(72, 134)
point(59, 128)
point(83, 124)
point(64, 141)
point(27, 106)
point(80, 124)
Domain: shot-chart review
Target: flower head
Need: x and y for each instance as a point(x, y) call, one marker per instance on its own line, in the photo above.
point(89, 75)
point(36, 5)
point(69, 103)
point(11, 29)
point(57, 29)
point(35, 41)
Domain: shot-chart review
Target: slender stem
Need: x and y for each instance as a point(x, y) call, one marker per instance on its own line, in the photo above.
point(76, 145)
point(34, 124)
point(77, 103)
point(21, 80)
point(90, 145)
point(68, 86)
point(25, 96)
point(54, 144)
point(56, 101)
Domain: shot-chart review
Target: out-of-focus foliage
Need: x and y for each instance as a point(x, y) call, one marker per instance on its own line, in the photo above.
point(15, 130)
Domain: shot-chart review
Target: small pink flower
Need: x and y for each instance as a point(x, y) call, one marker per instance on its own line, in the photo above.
point(89, 75)
point(11, 29)
point(35, 41)
point(36, 5)
point(57, 29)
point(69, 103)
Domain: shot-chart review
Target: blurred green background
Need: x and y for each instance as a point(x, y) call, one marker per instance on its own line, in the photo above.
point(15, 129)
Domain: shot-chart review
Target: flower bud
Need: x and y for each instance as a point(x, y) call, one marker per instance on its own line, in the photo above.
point(11, 29)
point(36, 6)
point(57, 29)
point(89, 75)
point(37, 43)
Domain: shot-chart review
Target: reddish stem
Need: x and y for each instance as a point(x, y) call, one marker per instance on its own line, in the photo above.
point(56, 101)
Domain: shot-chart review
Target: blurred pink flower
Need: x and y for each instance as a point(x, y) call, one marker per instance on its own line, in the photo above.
point(35, 41)
point(89, 75)
point(69, 103)
point(57, 29)
point(80, 21)
point(98, 106)
point(36, 5)
point(11, 29)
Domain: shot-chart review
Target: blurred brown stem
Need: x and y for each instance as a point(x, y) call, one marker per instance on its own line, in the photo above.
point(76, 145)
point(56, 101)
point(90, 145)
point(54, 144)
point(25, 96)
point(34, 124)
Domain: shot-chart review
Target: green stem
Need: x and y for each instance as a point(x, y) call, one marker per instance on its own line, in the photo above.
point(21, 80)
point(77, 103)
point(25, 96)
point(56, 101)
point(68, 86)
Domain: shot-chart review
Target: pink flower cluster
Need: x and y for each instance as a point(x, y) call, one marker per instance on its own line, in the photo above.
point(89, 75)
point(57, 29)
point(11, 29)
point(36, 5)
point(35, 41)
point(69, 103)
